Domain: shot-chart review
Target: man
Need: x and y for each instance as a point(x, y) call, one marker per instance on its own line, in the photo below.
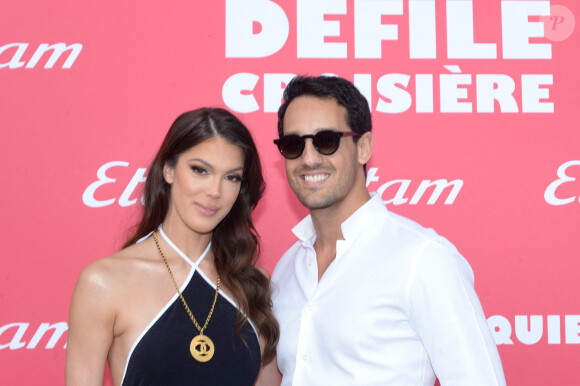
point(366, 297)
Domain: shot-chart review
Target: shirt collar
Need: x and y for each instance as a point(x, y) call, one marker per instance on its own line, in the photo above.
point(304, 230)
point(353, 225)
point(363, 217)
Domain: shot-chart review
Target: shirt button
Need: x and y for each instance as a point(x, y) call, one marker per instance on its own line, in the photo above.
point(310, 262)
point(304, 357)
point(310, 307)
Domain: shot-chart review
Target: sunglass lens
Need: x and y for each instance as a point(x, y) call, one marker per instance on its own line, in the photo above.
point(291, 146)
point(326, 142)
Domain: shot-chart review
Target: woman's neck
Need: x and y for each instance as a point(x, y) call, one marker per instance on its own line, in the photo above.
point(191, 243)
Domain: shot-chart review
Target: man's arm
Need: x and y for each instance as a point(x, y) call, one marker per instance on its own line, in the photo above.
point(447, 315)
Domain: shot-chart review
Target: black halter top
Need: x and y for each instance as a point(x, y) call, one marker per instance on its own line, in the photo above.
point(161, 354)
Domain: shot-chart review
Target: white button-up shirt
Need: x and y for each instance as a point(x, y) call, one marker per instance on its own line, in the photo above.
point(396, 307)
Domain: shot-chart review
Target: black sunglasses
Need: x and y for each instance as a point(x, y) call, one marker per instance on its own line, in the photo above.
point(326, 142)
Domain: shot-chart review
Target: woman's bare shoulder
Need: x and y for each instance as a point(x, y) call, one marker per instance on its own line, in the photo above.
point(111, 273)
point(99, 300)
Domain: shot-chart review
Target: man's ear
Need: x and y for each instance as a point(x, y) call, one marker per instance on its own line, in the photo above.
point(365, 147)
point(168, 172)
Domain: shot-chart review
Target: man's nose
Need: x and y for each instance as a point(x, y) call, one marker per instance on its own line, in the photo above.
point(311, 156)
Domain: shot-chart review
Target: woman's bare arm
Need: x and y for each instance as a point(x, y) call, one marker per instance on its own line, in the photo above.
point(91, 321)
point(269, 374)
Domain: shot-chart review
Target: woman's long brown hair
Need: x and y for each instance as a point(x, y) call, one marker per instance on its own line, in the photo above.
point(235, 244)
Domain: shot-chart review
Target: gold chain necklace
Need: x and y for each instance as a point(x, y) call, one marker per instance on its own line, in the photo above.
point(201, 347)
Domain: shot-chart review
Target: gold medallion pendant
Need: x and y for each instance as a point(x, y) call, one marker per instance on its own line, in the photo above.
point(201, 348)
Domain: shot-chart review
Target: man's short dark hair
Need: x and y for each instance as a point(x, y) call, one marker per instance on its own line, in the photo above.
point(332, 87)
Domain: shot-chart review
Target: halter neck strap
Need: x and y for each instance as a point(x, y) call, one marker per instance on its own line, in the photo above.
point(176, 249)
point(180, 252)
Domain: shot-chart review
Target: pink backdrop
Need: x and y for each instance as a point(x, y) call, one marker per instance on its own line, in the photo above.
point(475, 117)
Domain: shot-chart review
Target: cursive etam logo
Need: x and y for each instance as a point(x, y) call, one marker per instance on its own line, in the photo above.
point(13, 55)
point(104, 191)
point(550, 193)
point(402, 190)
point(14, 336)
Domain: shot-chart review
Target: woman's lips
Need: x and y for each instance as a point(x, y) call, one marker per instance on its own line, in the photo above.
point(208, 210)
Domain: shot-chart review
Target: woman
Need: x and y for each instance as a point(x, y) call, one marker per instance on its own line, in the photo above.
point(183, 302)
